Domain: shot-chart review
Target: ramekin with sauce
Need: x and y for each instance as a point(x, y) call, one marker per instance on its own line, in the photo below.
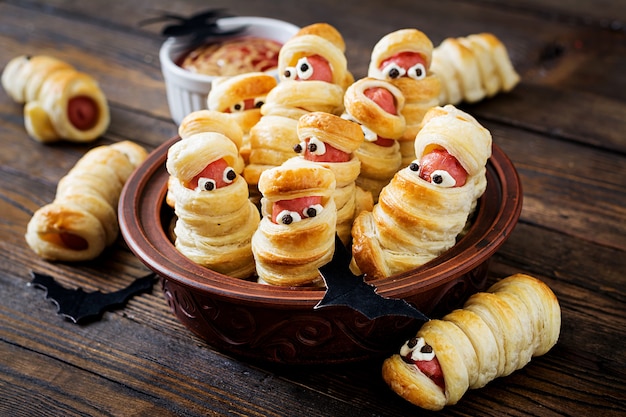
point(187, 89)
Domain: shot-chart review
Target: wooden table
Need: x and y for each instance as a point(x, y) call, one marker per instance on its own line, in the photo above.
point(564, 127)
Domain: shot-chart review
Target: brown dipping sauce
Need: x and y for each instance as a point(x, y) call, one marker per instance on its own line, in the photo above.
point(232, 57)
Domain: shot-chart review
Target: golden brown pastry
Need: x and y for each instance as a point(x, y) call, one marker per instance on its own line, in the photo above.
point(331, 141)
point(427, 204)
point(472, 68)
point(377, 106)
point(496, 333)
point(215, 219)
point(60, 102)
point(403, 58)
point(296, 235)
point(241, 97)
point(313, 77)
point(82, 220)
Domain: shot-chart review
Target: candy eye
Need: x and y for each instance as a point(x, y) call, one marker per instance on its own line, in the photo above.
point(305, 69)
point(313, 210)
point(300, 147)
point(415, 166)
point(288, 217)
point(206, 184)
point(417, 72)
point(442, 178)
point(237, 107)
point(393, 71)
point(290, 73)
point(229, 175)
point(259, 102)
point(316, 146)
point(369, 134)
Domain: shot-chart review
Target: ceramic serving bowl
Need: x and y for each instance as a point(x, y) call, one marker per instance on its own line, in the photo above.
point(187, 91)
point(275, 324)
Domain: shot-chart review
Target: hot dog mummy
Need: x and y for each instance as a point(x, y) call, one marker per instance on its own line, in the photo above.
point(403, 58)
point(377, 106)
point(495, 333)
point(426, 205)
point(331, 141)
point(215, 219)
point(60, 102)
point(472, 68)
point(241, 97)
point(82, 220)
point(313, 77)
point(296, 235)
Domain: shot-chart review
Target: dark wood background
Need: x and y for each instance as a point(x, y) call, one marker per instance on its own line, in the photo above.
point(564, 127)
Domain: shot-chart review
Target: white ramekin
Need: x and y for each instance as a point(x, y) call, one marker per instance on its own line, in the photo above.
point(187, 91)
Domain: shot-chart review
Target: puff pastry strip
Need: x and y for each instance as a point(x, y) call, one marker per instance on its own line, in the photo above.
point(495, 333)
point(82, 220)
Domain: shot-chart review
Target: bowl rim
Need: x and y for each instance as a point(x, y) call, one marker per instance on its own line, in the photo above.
point(227, 22)
point(148, 184)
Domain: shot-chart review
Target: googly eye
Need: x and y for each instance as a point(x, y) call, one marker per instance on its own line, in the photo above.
point(313, 210)
point(300, 147)
point(237, 107)
point(316, 146)
point(305, 69)
point(290, 73)
point(442, 178)
point(414, 166)
point(206, 184)
point(229, 175)
point(259, 102)
point(288, 217)
point(393, 71)
point(417, 72)
point(369, 134)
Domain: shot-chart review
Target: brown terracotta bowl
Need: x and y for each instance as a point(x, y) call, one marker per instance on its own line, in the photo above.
point(275, 324)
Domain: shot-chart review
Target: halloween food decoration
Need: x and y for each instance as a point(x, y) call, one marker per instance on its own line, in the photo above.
point(60, 102)
point(425, 207)
point(495, 333)
point(82, 220)
point(215, 219)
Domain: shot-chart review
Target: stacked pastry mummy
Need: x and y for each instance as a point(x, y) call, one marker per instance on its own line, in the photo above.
point(296, 235)
point(403, 58)
point(60, 102)
point(427, 204)
point(331, 141)
point(215, 219)
point(82, 220)
point(241, 97)
point(377, 106)
point(495, 333)
point(313, 77)
point(472, 68)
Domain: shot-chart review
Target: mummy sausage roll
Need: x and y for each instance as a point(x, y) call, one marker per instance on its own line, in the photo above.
point(296, 235)
point(331, 141)
point(242, 97)
point(82, 220)
point(215, 219)
point(60, 102)
point(313, 77)
point(427, 204)
point(496, 333)
point(403, 58)
point(472, 68)
point(377, 106)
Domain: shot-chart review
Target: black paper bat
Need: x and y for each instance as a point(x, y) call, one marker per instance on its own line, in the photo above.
point(346, 289)
point(80, 306)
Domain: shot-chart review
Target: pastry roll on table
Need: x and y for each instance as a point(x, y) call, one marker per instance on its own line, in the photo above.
point(60, 102)
point(215, 219)
point(82, 220)
point(403, 58)
point(296, 235)
point(425, 207)
point(495, 333)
